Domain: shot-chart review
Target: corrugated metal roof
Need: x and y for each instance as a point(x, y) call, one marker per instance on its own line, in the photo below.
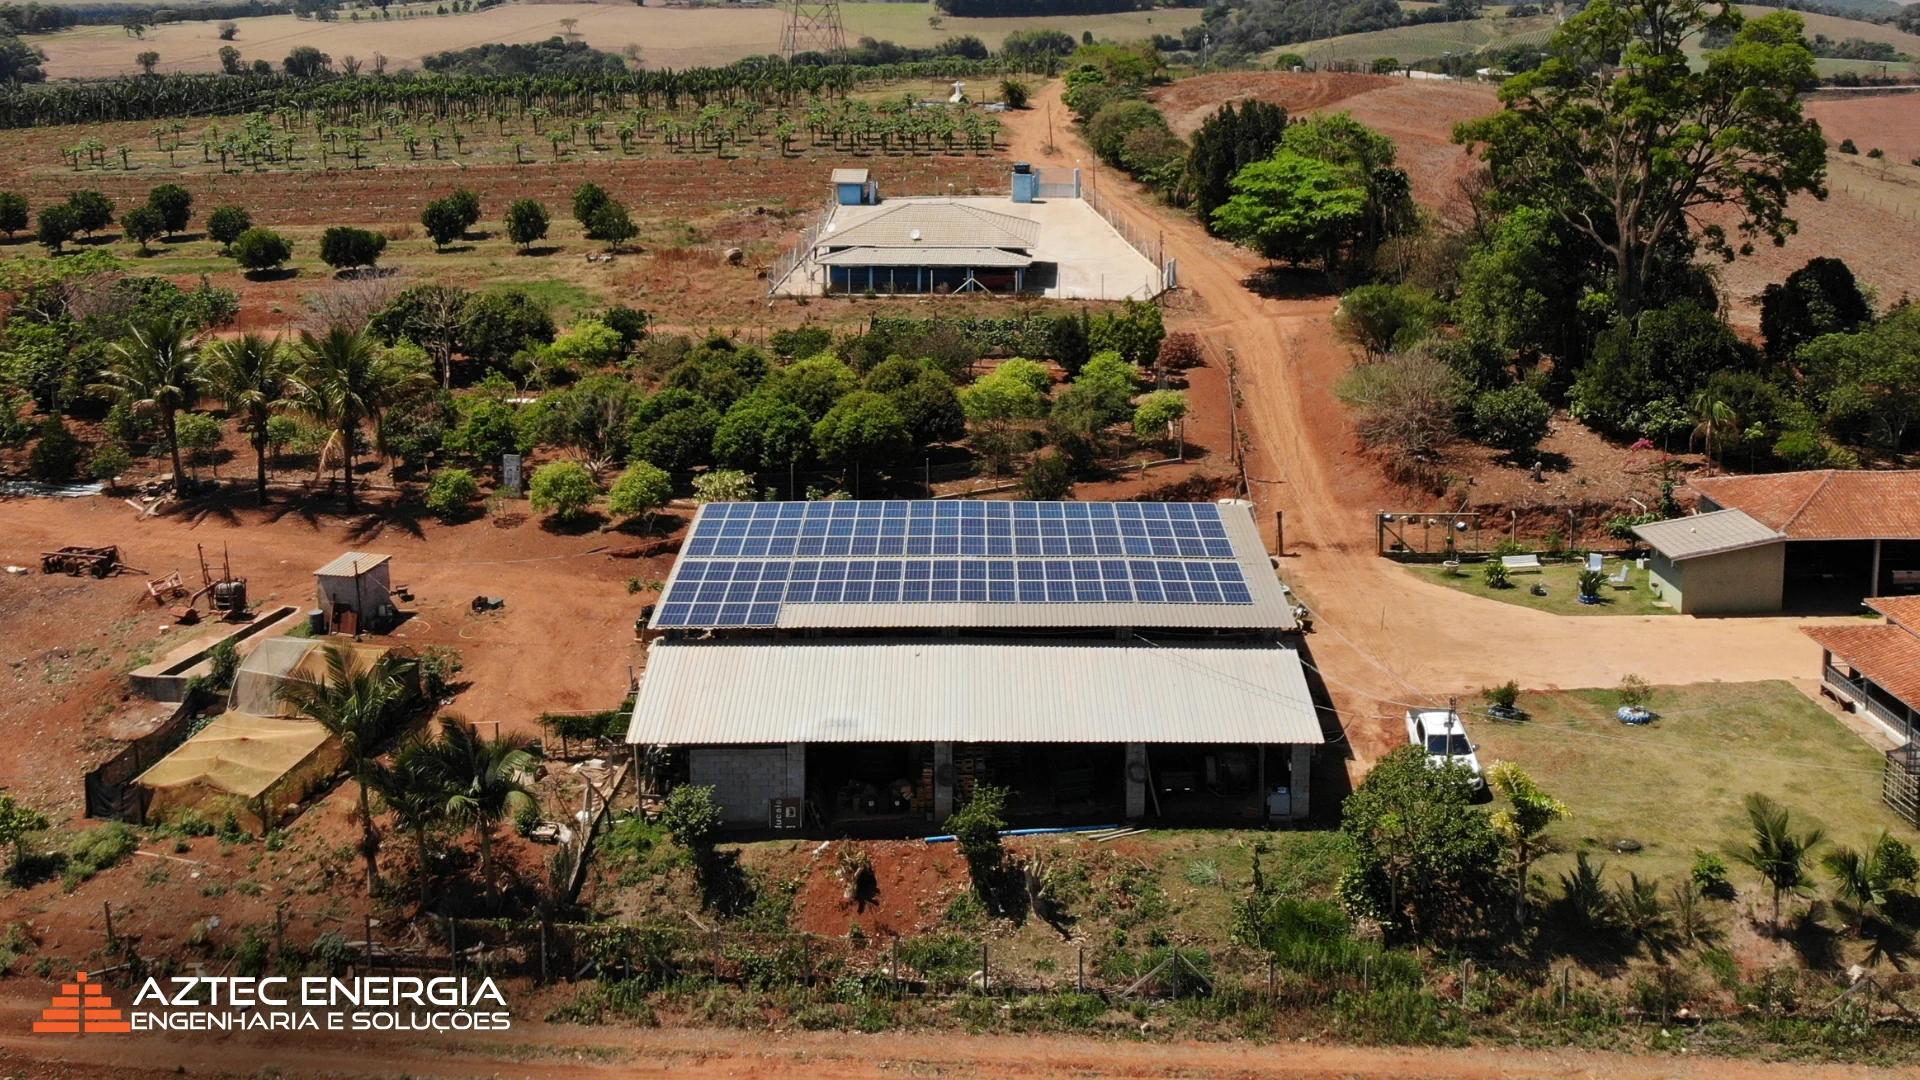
point(1888, 655)
point(1825, 504)
point(940, 224)
point(921, 255)
point(1706, 534)
point(1270, 609)
point(344, 566)
point(736, 693)
point(849, 176)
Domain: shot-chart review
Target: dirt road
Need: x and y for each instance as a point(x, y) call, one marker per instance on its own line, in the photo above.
point(1385, 638)
point(550, 1052)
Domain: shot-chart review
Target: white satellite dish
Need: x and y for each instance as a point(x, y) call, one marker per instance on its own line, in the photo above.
point(915, 234)
point(831, 226)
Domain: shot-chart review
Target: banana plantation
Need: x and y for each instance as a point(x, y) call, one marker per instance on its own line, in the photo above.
point(362, 101)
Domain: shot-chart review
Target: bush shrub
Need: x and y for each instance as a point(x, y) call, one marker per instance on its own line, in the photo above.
point(451, 492)
point(642, 489)
point(565, 488)
point(260, 249)
point(56, 455)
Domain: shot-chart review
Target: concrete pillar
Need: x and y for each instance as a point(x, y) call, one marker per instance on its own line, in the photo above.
point(1301, 781)
point(796, 770)
point(1874, 589)
point(942, 781)
point(1136, 781)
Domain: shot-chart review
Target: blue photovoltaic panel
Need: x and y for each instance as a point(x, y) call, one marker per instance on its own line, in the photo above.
point(744, 560)
point(928, 527)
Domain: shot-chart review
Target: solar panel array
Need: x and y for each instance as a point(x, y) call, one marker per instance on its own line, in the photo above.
point(743, 561)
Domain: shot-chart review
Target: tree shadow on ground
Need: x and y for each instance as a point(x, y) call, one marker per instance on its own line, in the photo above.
point(578, 525)
point(183, 238)
point(284, 273)
point(1818, 945)
point(539, 251)
point(401, 514)
point(650, 525)
point(1288, 283)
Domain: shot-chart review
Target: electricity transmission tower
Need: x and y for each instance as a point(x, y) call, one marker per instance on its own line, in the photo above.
point(813, 26)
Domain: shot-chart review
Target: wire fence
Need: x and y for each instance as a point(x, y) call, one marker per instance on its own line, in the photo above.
point(1153, 248)
point(798, 254)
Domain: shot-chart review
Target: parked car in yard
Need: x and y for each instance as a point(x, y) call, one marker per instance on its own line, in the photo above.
point(1444, 735)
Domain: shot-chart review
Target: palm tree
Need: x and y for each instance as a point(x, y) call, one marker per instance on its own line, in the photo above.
point(157, 370)
point(486, 779)
point(1522, 827)
point(345, 378)
point(355, 703)
point(1717, 420)
point(1775, 850)
point(250, 373)
point(415, 788)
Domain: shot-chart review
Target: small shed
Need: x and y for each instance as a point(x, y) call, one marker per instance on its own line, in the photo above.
point(1722, 563)
point(855, 187)
point(355, 592)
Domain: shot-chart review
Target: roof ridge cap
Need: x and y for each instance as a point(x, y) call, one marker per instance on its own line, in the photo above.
point(1826, 478)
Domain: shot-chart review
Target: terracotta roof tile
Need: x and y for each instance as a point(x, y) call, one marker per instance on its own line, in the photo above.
point(1903, 611)
point(1886, 654)
point(1826, 504)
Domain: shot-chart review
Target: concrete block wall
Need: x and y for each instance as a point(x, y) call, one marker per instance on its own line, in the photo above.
point(745, 779)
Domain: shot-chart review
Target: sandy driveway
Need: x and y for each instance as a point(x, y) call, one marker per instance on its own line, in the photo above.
point(1384, 637)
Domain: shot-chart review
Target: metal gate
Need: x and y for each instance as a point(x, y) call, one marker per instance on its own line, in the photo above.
point(1058, 182)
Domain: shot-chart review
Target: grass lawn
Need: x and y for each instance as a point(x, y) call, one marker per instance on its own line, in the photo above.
point(1676, 785)
point(1563, 589)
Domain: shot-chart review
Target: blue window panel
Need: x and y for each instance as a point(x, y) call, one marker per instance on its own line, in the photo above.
point(712, 592)
point(1113, 570)
point(770, 592)
point(763, 615)
point(806, 571)
point(727, 545)
point(1233, 592)
point(1033, 592)
point(702, 614)
point(973, 592)
point(809, 545)
point(837, 545)
point(1085, 570)
point(891, 545)
point(1053, 527)
point(691, 570)
point(1227, 571)
point(1138, 545)
point(684, 592)
point(800, 592)
point(732, 615)
point(946, 570)
point(1219, 549)
point(671, 615)
point(827, 592)
point(1148, 592)
point(755, 546)
point(914, 591)
point(1054, 545)
point(741, 592)
point(885, 591)
point(833, 571)
point(700, 546)
point(1002, 592)
point(857, 592)
point(1051, 509)
point(1178, 592)
point(1082, 545)
point(1030, 570)
point(1165, 545)
point(1000, 570)
point(973, 545)
point(774, 571)
point(1198, 571)
point(1026, 545)
point(1192, 548)
point(1058, 570)
point(1205, 592)
point(860, 570)
point(1119, 592)
point(946, 545)
point(917, 570)
point(1089, 592)
point(919, 545)
point(1059, 592)
point(781, 546)
point(865, 545)
point(1173, 571)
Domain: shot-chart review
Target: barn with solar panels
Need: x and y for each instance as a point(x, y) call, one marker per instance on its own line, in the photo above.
point(844, 665)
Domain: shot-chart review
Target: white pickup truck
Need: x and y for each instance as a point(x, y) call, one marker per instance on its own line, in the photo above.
point(1445, 738)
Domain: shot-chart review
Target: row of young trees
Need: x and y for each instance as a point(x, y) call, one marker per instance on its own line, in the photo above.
point(341, 100)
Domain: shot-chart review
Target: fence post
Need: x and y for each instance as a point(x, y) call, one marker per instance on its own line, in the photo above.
point(1082, 962)
point(453, 948)
point(896, 967)
point(807, 939)
point(983, 969)
point(107, 907)
point(543, 953)
point(716, 956)
point(280, 930)
point(369, 943)
point(1272, 988)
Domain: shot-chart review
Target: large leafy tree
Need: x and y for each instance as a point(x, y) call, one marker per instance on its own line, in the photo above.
point(345, 378)
point(1293, 207)
point(1624, 140)
point(251, 373)
point(1227, 142)
point(1422, 860)
point(156, 370)
point(356, 702)
point(1869, 382)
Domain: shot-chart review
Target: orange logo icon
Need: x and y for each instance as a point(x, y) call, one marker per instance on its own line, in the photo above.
point(81, 1006)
